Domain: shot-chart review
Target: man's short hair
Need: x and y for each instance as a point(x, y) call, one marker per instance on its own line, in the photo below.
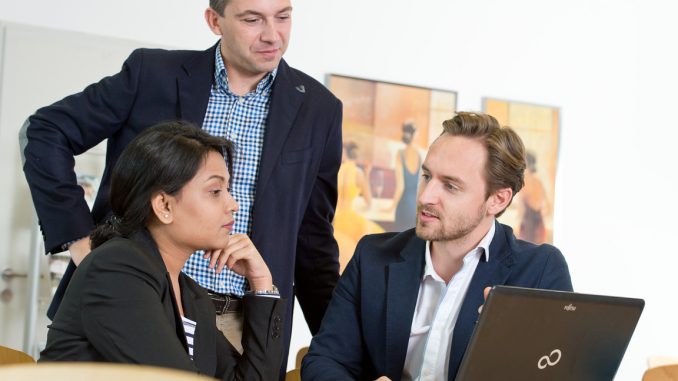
point(218, 5)
point(505, 166)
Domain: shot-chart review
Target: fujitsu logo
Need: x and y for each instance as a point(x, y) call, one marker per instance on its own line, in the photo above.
point(550, 360)
point(570, 308)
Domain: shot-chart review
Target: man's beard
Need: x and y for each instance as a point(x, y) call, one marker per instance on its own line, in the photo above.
point(462, 226)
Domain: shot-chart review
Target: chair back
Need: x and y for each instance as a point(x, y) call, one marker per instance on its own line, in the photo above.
point(300, 356)
point(662, 373)
point(11, 356)
point(84, 371)
point(295, 374)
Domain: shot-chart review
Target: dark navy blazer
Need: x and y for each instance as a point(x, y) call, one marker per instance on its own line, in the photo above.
point(296, 188)
point(366, 329)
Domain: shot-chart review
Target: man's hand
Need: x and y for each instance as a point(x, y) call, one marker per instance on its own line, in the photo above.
point(242, 257)
point(79, 250)
point(486, 292)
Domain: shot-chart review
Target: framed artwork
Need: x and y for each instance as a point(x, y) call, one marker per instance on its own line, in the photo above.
point(387, 128)
point(531, 212)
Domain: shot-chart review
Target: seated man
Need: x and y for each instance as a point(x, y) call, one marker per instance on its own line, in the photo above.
point(406, 305)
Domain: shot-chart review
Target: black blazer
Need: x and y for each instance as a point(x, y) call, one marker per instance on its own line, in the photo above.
point(121, 308)
point(296, 188)
point(366, 331)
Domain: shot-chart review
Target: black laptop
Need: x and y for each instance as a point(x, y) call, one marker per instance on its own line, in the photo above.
point(528, 334)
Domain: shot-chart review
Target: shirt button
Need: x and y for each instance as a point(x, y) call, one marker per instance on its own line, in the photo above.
point(241, 100)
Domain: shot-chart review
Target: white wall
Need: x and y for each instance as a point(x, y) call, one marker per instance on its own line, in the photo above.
point(610, 65)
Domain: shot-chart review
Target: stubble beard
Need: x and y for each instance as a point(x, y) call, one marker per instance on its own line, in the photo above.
point(461, 227)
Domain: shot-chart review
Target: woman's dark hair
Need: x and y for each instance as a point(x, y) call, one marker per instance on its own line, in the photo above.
point(163, 158)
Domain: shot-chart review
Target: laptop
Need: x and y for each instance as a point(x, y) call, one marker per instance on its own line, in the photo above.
point(529, 334)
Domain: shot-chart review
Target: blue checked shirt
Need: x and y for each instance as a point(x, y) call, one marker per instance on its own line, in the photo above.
point(241, 120)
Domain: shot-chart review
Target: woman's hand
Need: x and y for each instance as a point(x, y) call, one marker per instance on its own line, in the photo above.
point(243, 258)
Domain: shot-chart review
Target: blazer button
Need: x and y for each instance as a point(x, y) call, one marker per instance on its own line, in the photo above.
point(277, 319)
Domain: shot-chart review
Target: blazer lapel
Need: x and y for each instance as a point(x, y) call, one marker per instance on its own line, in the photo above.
point(193, 86)
point(143, 238)
point(493, 272)
point(285, 102)
point(402, 291)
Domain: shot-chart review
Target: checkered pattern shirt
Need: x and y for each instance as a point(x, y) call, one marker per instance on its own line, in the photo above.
point(242, 120)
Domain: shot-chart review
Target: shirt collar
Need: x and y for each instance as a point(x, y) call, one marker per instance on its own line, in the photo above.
point(483, 249)
point(221, 75)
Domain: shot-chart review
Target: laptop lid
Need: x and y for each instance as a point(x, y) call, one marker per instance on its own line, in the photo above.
point(529, 334)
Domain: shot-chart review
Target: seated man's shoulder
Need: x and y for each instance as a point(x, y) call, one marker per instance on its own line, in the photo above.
point(535, 266)
point(385, 244)
point(528, 251)
point(530, 248)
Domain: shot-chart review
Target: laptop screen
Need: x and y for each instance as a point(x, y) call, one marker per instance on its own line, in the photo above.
point(529, 334)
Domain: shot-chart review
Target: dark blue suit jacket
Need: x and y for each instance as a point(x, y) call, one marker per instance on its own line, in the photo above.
point(366, 329)
point(296, 188)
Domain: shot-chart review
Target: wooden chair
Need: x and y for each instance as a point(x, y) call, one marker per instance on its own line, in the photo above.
point(11, 356)
point(88, 371)
point(295, 374)
point(300, 356)
point(662, 373)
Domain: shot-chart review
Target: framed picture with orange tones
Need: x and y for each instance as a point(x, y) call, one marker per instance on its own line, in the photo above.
point(387, 128)
point(531, 212)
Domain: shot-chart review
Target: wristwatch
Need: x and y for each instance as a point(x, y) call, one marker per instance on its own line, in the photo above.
point(273, 291)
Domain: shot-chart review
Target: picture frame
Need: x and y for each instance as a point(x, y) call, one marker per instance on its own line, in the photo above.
point(531, 212)
point(387, 129)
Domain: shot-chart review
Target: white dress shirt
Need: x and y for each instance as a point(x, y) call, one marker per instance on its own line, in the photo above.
point(438, 305)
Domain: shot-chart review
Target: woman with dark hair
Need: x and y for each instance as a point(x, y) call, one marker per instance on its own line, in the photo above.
point(129, 302)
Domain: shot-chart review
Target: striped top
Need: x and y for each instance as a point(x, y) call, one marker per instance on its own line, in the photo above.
point(189, 330)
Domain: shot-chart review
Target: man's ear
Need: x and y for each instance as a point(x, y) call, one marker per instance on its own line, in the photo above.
point(212, 19)
point(499, 200)
point(163, 206)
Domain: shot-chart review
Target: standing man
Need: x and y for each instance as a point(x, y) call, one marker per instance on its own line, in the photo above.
point(406, 305)
point(286, 127)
